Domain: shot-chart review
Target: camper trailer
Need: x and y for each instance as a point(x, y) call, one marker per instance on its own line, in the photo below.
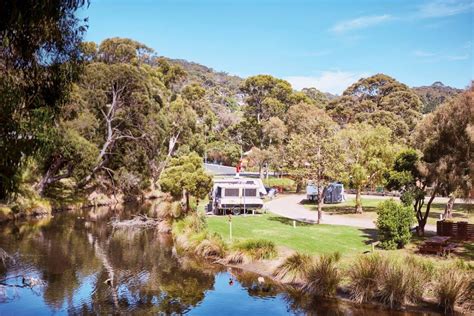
point(236, 195)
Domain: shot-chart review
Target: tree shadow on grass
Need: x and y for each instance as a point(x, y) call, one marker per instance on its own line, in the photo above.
point(465, 251)
point(289, 221)
point(370, 234)
point(343, 210)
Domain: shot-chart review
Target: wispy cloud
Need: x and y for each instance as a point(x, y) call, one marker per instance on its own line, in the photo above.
point(360, 23)
point(432, 57)
point(458, 57)
point(441, 8)
point(328, 81)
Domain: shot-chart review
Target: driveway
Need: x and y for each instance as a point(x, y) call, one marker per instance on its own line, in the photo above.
point(290, 206)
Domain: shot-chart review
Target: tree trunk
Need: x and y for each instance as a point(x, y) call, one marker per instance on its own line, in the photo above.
point(188, 206)
point(358, 205)
point(52, 176)
point(448, 210)
point(422, 221)
point(320, 205)
point(298, 186)
point(260, 171)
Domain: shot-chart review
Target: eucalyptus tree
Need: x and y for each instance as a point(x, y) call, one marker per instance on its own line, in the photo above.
point(369, 153)
point(39, 59)
point(379, 100)
point(315, 153)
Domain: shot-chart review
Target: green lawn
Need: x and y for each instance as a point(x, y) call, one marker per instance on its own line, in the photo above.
point(461, 212)
point(306, 238)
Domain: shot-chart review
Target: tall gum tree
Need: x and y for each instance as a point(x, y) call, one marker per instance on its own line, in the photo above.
point(368, 153)
point(446, 140)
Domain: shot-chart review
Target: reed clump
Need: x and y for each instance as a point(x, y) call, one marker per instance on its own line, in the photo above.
point(294, 268)
point(324, 276)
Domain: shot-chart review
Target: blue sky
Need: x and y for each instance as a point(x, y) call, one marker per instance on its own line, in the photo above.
point(326, 44)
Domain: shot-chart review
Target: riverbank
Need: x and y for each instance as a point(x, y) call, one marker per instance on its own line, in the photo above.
point(266, 269)
point(34, 206)
point(210, 237)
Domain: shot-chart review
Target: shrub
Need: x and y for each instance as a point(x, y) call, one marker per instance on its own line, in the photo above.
point(211, 246)
point(256, 249)
point(364, 277)
point(295, 268)
point(324, 276)
point(452, 287)
point(394, 222)
point(285, 183)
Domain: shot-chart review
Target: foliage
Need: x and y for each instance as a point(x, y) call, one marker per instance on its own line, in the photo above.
point(378, 100)
point(368, 155)
point(323, 277)
point(40, 57)
point(295, 268)
point(256, 249)
point(394, 222)
point(185, 175)
point(435, 95)
point(285, 183)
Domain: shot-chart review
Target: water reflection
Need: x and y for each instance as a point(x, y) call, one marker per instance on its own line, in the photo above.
point(89, 268)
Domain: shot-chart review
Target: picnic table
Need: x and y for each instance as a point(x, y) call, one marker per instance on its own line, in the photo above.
point(438, 245)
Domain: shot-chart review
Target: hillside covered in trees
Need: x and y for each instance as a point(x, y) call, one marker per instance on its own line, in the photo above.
point(435, 95)
point(129, 113)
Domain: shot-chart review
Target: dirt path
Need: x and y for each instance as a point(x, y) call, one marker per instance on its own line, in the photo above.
point(290, 206)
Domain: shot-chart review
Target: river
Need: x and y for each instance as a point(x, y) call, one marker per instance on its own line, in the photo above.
point(76, 263)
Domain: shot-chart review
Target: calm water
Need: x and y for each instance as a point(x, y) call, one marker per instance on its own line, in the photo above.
point(83, 266)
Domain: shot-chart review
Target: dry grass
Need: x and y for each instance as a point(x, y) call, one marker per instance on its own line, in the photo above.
point(364, 276)
point(212, 246)
point(324, 276)
point(295, 268)
point(256, 249)
point(453, 286)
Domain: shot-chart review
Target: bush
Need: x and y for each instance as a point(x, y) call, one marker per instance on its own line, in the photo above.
point(285, 184)
point(453, 286)
point(394, 222)
point(211, 246)
point(295, 268)
point(394, 285)
point(324, 276)
point(365, 276)
point(256, 249)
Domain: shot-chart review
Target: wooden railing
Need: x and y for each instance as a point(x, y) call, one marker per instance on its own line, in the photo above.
point(456, 230)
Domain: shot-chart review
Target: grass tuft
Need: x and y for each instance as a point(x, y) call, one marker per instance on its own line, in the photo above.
point(364, 276)
point(453, 286)
point(324, 276)
point(295, 268)
point(256, 249)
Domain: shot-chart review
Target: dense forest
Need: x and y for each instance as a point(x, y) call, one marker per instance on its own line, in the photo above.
point(82, 119)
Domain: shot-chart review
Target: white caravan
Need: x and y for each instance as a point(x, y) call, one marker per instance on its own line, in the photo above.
point(236, 195)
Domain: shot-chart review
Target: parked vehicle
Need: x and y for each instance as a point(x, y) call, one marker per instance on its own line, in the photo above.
point(236, 195)
point(333, 193)
point(312, 192)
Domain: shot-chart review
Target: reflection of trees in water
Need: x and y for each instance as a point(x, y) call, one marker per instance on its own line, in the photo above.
point(130, 269)
point(139, 272)
point(56, 250)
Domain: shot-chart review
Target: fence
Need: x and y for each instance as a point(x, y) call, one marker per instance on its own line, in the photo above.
point(457, 230)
